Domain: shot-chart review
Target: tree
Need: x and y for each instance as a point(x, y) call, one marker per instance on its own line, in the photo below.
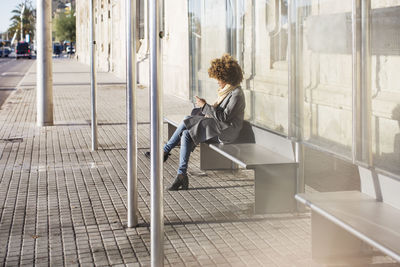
point(65, 26)
point(28, 19)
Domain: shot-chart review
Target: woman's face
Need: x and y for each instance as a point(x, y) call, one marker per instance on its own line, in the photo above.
point(221, 84)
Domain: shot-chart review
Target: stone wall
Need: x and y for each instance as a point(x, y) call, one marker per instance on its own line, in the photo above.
point(109, 35)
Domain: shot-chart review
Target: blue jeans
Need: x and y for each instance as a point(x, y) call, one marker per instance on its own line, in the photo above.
point(187, 146)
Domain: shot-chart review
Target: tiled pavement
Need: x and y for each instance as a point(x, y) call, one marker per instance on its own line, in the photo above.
point(63, 205)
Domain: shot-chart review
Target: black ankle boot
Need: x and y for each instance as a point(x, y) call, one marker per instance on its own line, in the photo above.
point(166, 155)
point(180, 180)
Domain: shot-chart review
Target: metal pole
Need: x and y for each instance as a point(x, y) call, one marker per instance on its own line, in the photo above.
point(44, 78)
point(22, 23)
point(300, 158)
point(157, 214)
point(238, 31)
point(296, 94)
point(93, 83)
point(292, 68)
point(366, 100)
point(356, 54)
point(131, 112)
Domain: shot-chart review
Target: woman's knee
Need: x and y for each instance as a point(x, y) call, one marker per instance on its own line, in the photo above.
point(187, 139)
point(186, 135)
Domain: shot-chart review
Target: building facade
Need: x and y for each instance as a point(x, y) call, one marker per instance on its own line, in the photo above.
point(109, 31)
point(318, 71)
point(110, 38)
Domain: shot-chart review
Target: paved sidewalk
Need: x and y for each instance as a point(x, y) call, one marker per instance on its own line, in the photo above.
point(63, 205)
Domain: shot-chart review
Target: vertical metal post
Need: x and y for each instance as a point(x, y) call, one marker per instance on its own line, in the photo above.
point(299, 99)
point(93, 82)
point(238, 18)
point(356, 61)
point(362, 101)
point(366, 100)
point(131, 112)
point(296, 94)
point(299, 88)
point(44, 76)
point(292, 68)
point(157, 213)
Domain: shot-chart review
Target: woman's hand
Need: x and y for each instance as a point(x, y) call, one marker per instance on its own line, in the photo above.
point(200, 102)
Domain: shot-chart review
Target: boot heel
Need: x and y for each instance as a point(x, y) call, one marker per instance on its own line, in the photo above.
point(180, 180)
point(185, 182)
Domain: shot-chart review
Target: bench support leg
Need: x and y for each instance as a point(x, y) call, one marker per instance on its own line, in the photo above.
point(331, 242)
point(171, 130)
point(212, 160)
point(275, 187)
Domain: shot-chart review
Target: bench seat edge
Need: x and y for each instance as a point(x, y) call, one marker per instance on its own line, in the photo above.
point(302, 198)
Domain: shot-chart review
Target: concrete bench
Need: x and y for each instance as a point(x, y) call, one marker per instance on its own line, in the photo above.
point(341, 221)
point(172, 123)
point(270, 156)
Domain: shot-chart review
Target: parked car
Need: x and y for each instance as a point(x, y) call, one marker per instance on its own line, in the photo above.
point(6, 51)
point(6, 45)
point(2, 45)
point(57, 49)
point(70, 49)
point(23, 50)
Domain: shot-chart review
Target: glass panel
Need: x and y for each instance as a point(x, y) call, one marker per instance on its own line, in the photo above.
point(194, 44)
point(255, 32)
point(245, 50)
point(270, 78)
point(385, 81)
point(210, 37)
point(325, 66)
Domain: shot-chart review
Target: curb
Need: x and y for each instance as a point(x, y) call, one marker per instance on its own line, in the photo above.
point(15, 89)
point(19, 84)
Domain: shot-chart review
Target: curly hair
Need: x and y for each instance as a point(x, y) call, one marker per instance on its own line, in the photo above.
point(226, 69)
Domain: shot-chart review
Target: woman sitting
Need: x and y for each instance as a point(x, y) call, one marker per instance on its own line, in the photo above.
point(220, 122)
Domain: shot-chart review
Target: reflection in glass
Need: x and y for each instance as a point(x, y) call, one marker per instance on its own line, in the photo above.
point(385, 81)
point(211, 26)
point(270, 85)
point(256, 33)
point(326, 70)
point(263, 55)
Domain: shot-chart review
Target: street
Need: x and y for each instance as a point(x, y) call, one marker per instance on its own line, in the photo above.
point(11, 73)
